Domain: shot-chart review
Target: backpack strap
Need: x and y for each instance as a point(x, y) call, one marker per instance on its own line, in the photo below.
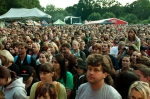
point(29, 59)
point(15, 58)
point(58, 88)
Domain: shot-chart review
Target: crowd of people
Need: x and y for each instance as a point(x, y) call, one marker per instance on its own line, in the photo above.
point(75, 62)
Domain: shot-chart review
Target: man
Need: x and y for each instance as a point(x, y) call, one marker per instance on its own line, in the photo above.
point(27, 73)
point(76, 51)
point(96, 88)
point(23, 58)
point(105, 51)
point(143, 72)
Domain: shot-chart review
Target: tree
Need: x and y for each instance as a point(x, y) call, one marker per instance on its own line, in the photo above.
point(94, 16)
point(108, 15)
point(131, 18)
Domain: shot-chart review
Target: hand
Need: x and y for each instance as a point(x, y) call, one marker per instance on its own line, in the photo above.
point(68, 92)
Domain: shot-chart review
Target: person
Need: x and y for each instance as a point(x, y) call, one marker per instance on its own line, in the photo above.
point(80, 77)
point(46, 72)
point(96, 88)
point(62, 76)
point(8, 61)
point(139, 90)
point(13, 87)
point(132, 39)
point(26, 72)
point(46, 91)
point(124, 81)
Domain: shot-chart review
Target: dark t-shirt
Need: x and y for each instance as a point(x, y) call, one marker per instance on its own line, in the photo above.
point(29, 88)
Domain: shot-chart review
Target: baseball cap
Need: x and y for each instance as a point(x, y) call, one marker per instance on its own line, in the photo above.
point(26, 72)
point(81, 64)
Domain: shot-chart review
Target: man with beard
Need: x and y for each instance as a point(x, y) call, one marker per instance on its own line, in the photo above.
point(96, 87)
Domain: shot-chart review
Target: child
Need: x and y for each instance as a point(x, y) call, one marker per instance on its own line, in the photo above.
point(45, 91)
point(80, 77)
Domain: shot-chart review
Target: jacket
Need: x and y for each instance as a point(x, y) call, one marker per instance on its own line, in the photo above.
point(15, 90)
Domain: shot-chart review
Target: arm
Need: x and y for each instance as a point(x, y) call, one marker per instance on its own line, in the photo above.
point(20, 94)
point(33, 89)
point(62, 94)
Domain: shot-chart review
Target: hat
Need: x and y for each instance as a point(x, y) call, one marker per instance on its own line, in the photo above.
point(81, 63)
point(26, 72)
point(143, 48)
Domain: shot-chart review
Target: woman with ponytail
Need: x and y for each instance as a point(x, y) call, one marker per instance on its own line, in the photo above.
point(12, 87)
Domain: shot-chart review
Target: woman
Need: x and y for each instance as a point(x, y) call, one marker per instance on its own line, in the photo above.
point(96, 49)
point(132, 39)
point(46, 72)
point(62, 76)
point(8, 61)
point(45, 91)
point(139, 90)
point(13, 88)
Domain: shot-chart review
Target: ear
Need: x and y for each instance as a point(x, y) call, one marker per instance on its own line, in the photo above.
point(105, 75)
point(52, 73)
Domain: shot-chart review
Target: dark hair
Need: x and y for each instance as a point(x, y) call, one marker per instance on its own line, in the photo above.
point(6, 73)
point(46, 88)
point(144, 70)
point(67, 45)
point(124, 81)
point(25, 45)
point(98, 46)
point(46, 67)
point(61, 61)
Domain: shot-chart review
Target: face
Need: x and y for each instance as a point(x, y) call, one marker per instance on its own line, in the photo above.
point(95, 74)
point(55, 63)
point(35, 48)
point(16, 49)
point(80, 70)
point(21, 49)
point(30, 45)
point(37, 37)
point(2, 81)
point(46, 96)
point(42, 58)
point(52, 48)
point(95, 51)
point(46, 77)
point(135, 94)
point(44, 37)
point(131, 33)
point(140, 75)
point(105, 47)
point(65, 50)
point(126, 63)
point(11, 50)
point(75, 45)
point(135, 55)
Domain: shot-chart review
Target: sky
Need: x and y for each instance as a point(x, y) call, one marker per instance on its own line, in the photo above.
point(66, 3)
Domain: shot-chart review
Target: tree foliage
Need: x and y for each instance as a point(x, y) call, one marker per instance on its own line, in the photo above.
point(94, 16)
point(108, 15)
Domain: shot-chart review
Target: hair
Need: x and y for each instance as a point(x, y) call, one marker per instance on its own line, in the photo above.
point(141, 87)
point(61, 61)
point(1, 46)
point(143, 60)
point(55, 46)
point(46, 67)
point(37, 44)
point(144, 70)
point(67, 45)
point(97, 45)
point(8, 57)
point(23, 44)
point(6, 73)
point(46, 55)
point(46, 88)
point(123, 82)
point(132, 29)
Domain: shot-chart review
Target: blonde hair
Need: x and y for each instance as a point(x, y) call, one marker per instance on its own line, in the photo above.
point(9, 58)
point(141, 87)
point(54, 45)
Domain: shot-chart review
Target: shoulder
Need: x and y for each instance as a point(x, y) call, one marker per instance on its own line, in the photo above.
point(84, 86)
point(68, 73)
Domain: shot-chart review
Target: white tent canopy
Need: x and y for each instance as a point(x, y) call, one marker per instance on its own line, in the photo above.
point(17, 13)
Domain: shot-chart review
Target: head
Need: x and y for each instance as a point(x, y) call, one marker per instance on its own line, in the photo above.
point(53, 47)
point(45, 91)
point(124, 81)
point(6, 75)
point(44, 57)
point(65, 49)
point(139, 90)
point(81, 66)
point(96, 49)
point(35, 47)
point(46, 72)
point(121, 44)
point(143, 73)
point(22, 48)
point(6, 57)
point(98, 68)
point(131, 33)
point(75, 45)
point(135, 55)
point(126, 62)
